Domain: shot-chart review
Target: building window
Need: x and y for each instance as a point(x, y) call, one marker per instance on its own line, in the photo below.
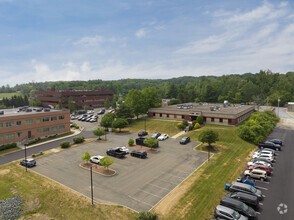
point(46, 129)
point(1, 137)
point(1, 125)
point(230, 121)
point(154, 114)
point(29, 122)
point(46, 119)
point(19, 134)
point(18, 123)
point(61, 117)
point(9, 136)
point(167, 115)
point(160, 115)
point(38, 120)
point(221, 120)
point(61, 127)
point(9, 124)
point(204, 118)
point(212, 119)
point(54, 128)
point(39, 131)
point(53, 118)
point(183, 116)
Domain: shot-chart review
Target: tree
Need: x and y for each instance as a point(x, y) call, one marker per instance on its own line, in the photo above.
point(151, 142)
point(136, 99)
point(200, 119)
point(59, 105)
point(71, 105)
point(99, 132)
point(86, 157)
point(173, 102)
point(151, 96)
point(208, 136)
point(125, 111)
point(106, 161)
point(120, 123)
point(107, 103)
point(107, 120)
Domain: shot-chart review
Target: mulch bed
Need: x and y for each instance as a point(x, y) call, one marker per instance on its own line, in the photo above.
point(98, 169)
point(148, 149)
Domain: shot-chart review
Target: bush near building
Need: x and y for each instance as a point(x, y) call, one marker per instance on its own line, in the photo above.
point(181, 126)
point(197, 126)
point(7, 146)
point(258, 126)
point(200, 119)
point(78, 139)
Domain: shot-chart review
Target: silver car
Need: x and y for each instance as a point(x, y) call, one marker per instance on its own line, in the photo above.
point(223, 212)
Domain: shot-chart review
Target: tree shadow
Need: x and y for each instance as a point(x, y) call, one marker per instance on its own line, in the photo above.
point(210, 148)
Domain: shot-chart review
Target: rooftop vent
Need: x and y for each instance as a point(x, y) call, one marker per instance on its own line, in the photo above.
point(212, 108)
point(1, 112)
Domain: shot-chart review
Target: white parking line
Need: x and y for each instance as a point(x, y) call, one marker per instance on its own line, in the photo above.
point(262, 181)
point(269, 177)
point(150, 193)
point(174, 176)
point(258, 213)
point(140, 201)
point(158, 186)
point(258, 187)
point(263, 196)
point(182, 171)
point(168, 182)
point(260, 203)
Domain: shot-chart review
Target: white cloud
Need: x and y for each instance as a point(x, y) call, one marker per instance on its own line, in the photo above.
point(141, 33)
point(90, 41)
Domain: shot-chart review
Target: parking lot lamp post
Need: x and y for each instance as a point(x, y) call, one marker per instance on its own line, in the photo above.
point(145, 124)
point(279, 107)
point(208, 153)
point(26, 157)
point(92, 187)
point(105, 135)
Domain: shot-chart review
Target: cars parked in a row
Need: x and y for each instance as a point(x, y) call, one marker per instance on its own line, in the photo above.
point(243, 198)
point(157, 136)
point(85, 117)
point(121, 152)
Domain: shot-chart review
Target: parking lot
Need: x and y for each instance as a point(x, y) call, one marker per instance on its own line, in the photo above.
point(139, 183)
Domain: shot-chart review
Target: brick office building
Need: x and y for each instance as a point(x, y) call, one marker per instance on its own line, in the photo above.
point(94, 98)
point(212, 113)
point(21, 126)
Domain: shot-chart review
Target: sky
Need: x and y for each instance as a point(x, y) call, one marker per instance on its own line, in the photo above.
point(52, 40)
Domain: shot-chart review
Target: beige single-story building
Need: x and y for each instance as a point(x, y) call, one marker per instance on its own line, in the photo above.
point(224, 114)
point(290, 106)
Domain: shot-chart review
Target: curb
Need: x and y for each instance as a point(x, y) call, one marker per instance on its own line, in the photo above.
point(98, 172)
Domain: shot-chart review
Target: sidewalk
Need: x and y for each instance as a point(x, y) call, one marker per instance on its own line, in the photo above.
point(38, 144)
point(178, 134)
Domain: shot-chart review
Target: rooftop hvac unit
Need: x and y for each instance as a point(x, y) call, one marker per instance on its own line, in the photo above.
point(1, 112)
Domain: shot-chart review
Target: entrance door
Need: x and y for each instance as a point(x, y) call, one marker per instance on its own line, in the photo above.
point(29, 134)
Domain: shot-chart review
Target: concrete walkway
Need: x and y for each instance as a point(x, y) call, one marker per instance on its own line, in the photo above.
point(178, 134)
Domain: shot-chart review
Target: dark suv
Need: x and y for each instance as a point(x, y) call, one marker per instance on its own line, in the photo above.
point(270, 145)
point(139, 153)
point(185, 140)
point(245, 188)
point(238, 206)
point(244, 197)
point(28, 163)
point(142, 133)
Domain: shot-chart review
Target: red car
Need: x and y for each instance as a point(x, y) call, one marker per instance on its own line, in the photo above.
point(261, 167)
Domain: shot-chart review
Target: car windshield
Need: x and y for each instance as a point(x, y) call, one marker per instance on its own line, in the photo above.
point(236, 215)
point(245, 207)
point(253, 189)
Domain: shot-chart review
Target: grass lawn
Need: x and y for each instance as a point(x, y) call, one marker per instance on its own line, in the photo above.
point(9, 95)
point(154, 125)
point(45, 199)
point(205, 188)
point(7, 151)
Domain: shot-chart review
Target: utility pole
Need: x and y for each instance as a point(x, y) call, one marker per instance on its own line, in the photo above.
point(279, 107)
point(92, 187)
point(145, 124)
point(26, 157)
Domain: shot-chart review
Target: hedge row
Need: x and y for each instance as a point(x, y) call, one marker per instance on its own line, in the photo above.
point(7, 146)
point(258, 126)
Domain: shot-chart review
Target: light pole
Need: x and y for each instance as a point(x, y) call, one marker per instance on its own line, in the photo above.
point(26, 157)
point(145, 124)
point(105, 135)
point(208, 152)
point(279, 107)
point(92, 187)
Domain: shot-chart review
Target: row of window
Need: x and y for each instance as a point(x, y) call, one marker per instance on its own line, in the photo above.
point(39, 131)
point(30, 121)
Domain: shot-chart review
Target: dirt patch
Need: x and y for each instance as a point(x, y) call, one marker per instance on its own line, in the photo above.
point(98, 169)
point(37, 216)
point(148, 149)
point(31, 204)
point(4, 172)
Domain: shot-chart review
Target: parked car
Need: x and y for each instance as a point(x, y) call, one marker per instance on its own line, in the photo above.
point(276, 141)
point(238, 206)
point(258, 162)
point(162, 137)
point(125, 149)
point(269, 145)
point(267, 158)
point(266, 149)
point(101, 112)
point(185, 140)
point(257, 154)
point(244, 197)
point(223, 212)
point(247, 180)
point(139, 153)
point(93, 119)
point(261, 167)
point(90, 112)
point(28, 162)
point(261, 159)
point(245, 188)
point(155, 135)
point(142, 133)
point(71, 124)
point(96, 159)
point(116, 152)
point(256, 173)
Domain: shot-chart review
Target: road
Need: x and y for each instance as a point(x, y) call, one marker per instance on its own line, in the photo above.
point(279, 190)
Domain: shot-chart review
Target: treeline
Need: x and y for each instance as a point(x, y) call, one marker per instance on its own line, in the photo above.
point(16, 101)
point(258, 126)
point(260, 88)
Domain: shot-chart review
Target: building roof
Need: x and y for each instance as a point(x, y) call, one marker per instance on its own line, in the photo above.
point(14, 112)
point(204, 109)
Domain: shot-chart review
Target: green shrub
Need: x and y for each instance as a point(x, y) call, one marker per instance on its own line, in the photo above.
point(33, 155)
point(32, 142)
point(41, 153)
point(197, 126)
point(64, 144)
point(131, 142)
point(181, 126)
point(185, 123)
point(200, 119)
point(194, 122)
point(146, 216)
point(7, 146)
point(258, 126)
point(78, 139)
point(76, 126)
point(191, 127)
